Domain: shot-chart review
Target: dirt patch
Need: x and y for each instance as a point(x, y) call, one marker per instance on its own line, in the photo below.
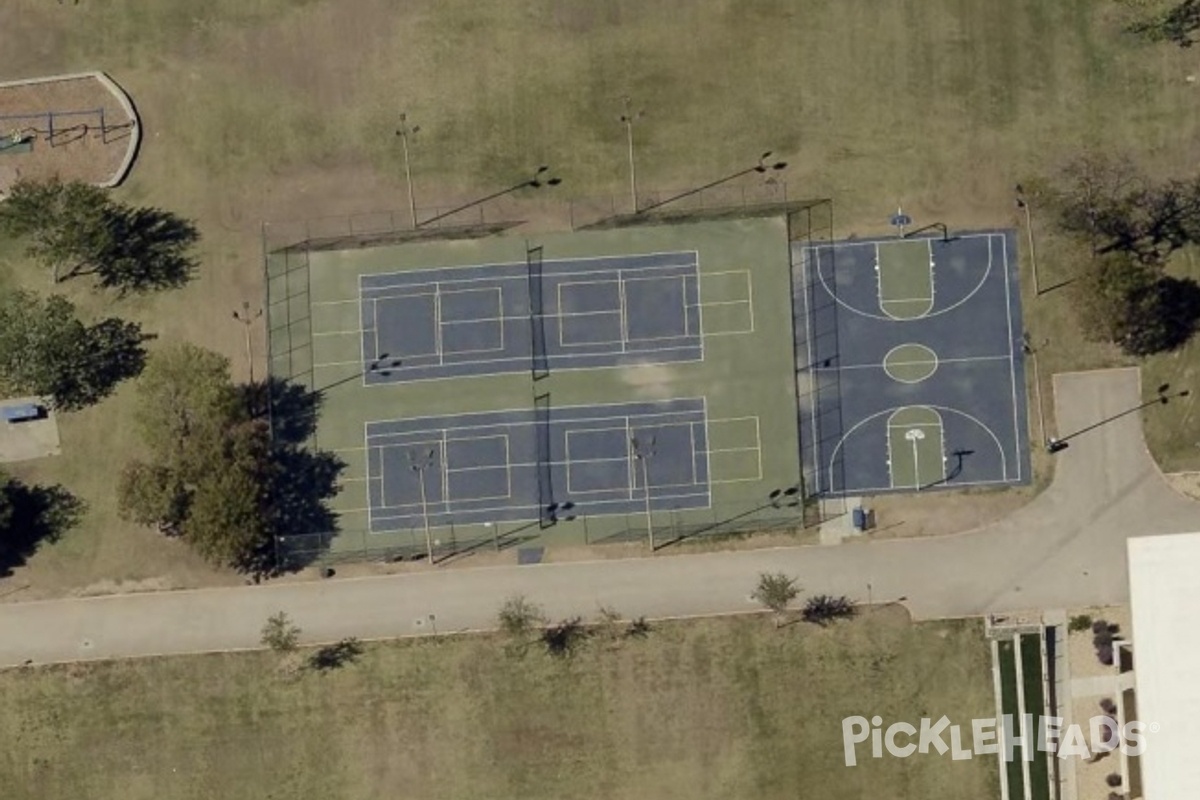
point(1082, 652)
point(75, 129)
point(940, 513)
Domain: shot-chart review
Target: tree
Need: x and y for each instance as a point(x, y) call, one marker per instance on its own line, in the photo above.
point(185, 397)
point(152, 494)
point(77, 229)
point(46, 350)
point(280, 633)
point(213, 474)
point(67, 223)
point(227, 519)
point(776, 591)
point(1132, 304)
point(1176, 24)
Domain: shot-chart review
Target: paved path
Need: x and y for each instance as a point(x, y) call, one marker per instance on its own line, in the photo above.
point(1066, 548)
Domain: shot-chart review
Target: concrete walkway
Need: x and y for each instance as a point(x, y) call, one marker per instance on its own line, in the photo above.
point(1064, 549)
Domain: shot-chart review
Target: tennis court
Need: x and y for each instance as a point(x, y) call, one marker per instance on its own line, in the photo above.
point(575, 387)
point(572, 313)
point(909, 364)
point(520, 464)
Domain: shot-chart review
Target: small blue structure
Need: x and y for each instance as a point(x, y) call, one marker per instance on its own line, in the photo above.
point(21, 413)
point(860, 519)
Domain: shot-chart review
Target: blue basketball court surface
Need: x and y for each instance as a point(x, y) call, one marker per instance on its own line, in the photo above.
point(910, 365)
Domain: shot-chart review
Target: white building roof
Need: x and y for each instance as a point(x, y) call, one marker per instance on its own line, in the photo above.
point(1165, 594)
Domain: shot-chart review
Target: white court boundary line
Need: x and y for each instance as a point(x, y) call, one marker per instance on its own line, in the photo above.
point(927, 301)
point(1012, 364)
point(523, 266)
point(813, 389)
point(948, 410)
point(756, 448)
point(967, 360)
point(748, 302)
point(845, 244)
point(574, 357)
point(941, 431)
point(936, 362)
point(506, 466)
point(704, 487)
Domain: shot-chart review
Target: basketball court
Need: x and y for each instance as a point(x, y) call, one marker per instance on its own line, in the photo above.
point(909, 364)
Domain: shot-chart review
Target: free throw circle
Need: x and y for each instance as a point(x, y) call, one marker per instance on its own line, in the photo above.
point(910, 363)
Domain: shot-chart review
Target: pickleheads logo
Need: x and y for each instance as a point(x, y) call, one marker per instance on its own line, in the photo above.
point(992, 737)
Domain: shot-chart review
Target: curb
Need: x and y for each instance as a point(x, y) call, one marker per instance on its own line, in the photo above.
point(122, 98)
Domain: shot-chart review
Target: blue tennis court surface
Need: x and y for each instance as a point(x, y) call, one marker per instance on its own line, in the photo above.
point(502, 318)
point(513, 465)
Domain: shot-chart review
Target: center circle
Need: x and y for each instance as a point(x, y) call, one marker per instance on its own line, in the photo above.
point(910, 363)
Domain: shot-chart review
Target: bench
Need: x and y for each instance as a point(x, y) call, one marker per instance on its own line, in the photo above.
point(21, 413)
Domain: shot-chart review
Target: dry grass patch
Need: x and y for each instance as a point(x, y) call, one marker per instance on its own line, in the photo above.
point(706, 709)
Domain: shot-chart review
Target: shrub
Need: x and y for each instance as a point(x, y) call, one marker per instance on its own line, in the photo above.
point(518, 616)
point(1079, 623)
point(562, 639)
point(638, 628)
point(1113, 779)
point(822, 609)
point(280, 633)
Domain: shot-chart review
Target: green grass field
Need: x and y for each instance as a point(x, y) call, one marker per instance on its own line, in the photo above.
point(711, 709)
point(269, 109)
point(1035, 704)
point(1014, 769)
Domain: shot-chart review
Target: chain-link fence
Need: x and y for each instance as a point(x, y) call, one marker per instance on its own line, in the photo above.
point(783, 513)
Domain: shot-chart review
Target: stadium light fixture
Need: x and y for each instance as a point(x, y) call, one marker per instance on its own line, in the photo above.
point(247, 319)
point(404, 131)
point(628, 118)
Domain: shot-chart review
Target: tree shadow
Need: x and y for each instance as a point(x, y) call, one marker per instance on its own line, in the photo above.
point(114, 352)
point(149, 250)
point(1171, 310)
point(301, 479)
point(335, 656)
point(301, 483)
point(30, 515)
point(292, 407)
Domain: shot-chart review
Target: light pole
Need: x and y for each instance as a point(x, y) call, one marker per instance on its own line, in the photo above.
point(404, 131)
point(419, 465)
point(536, 182)
point(247, 319)
point(1032, 352)
point(1161, 397)
point(629, 117)
point(1023, 204)
point(643, 453)
point(761, 167)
